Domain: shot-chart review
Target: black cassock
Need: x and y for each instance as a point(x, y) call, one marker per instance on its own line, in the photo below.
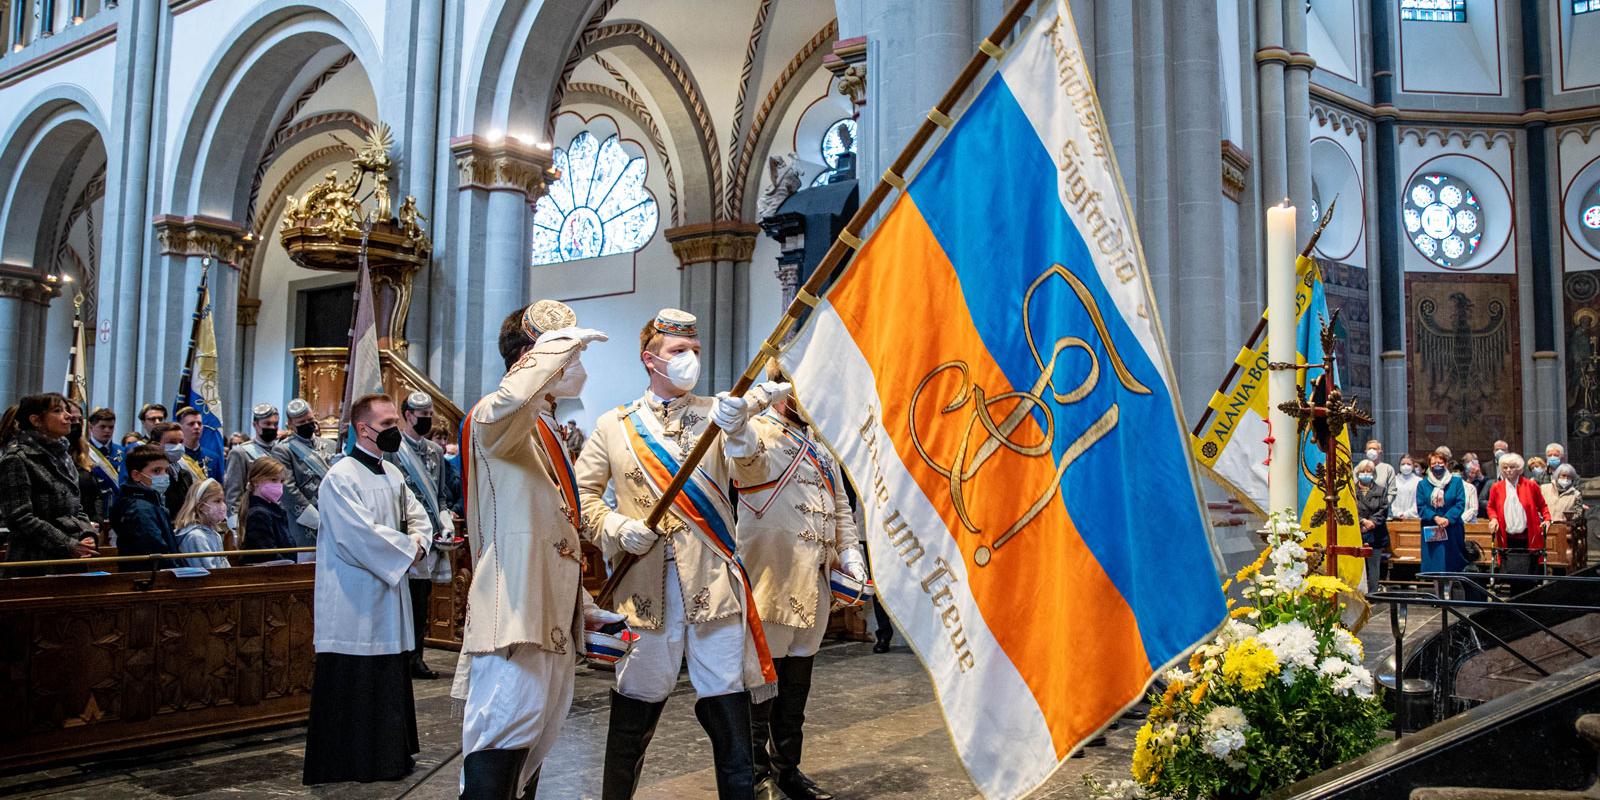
point(363, 720)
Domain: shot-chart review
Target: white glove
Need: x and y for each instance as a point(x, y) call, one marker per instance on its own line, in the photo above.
point(637, 538)
point(853, 563)
point(583, 336)
point(731, 413)
point(767, 394)
point(595, 618)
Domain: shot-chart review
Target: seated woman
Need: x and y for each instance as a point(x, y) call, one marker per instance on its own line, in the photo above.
point(200, 523)
point(1563, 497)
point(1372, 506)
point(263, 524)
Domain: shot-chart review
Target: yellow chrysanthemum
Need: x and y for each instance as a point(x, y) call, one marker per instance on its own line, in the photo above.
point(1241, 611)
point(1199, 693)
point(1226, 584)
point(1253, 567)
point(1173, 690)
point(1195, 660)
point(1324, 585)
point(1146, 766)
point(1248, 664)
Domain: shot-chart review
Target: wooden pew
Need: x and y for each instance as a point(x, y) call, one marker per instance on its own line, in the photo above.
point(1405, 539)
point(93, 664)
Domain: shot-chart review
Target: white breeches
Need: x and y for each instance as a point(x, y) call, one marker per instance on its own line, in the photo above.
point(517, 698)
point(715, 650)
point(784, 641)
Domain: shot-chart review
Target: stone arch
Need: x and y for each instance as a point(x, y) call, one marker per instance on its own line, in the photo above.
point(666, 80)
point(59, 135)
point(516, 75)
point(234, 113)
point(744, 183)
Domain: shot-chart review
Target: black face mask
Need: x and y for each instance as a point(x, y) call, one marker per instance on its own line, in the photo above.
point(306, 430)
point(76, 433)
point(388, 441)
point(269, 434)
point(422, 425)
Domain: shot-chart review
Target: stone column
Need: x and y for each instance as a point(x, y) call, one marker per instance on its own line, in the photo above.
point(1390, 333)
point(1297, 114)
point(123, 301)
point(1549, 390)
point(183, 244)
point(1271, 57)
point(243, 353)
point(498, 181)
point(714, 259)
point(1201, 341)
point(24, 300)
point(413, 51)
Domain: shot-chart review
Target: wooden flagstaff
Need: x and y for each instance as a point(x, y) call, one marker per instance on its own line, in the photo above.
point(1261, 325)
point(849, 239)
point(186, 379)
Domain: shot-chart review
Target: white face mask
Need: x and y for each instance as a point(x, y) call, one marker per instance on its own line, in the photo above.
point(1406, 469)
point(683, 370)
point(1564, 483)
point(1372, 455)
point(570, 383)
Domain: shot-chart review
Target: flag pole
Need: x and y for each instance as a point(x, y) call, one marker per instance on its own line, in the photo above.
point(350, 350)
point(186, 378)
point(848, 239)
point(1261, 324)
point(77, 386)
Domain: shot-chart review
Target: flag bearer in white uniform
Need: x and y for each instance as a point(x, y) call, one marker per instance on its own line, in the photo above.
point(687, 595)
point(526, 610)
point(794, 524)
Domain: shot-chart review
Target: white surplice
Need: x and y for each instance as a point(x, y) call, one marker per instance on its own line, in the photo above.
point(371, 527)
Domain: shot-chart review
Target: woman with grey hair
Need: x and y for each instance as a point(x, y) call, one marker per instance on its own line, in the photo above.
point(1563, 496)
point(1372, 507)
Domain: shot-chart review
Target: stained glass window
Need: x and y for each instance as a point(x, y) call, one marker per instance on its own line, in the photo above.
point(840, 139)
point(1443, 218)
point(1433, 10)
point(1584, 6)
point(599, 207)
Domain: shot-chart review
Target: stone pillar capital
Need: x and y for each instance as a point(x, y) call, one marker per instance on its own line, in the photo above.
point(223, 240)
point(247, 310)
point(21, 283)
point(848, 62)
point(503, 165)
point(713, 241)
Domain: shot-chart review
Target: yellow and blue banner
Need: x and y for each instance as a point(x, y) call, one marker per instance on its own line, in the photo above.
point(1231, 444)
point(198, 387)
point(991, 372)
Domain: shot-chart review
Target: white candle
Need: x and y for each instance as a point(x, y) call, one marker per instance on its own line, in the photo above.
point(1283, 478)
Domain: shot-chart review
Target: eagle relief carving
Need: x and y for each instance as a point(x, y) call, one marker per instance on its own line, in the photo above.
point(1463, 350)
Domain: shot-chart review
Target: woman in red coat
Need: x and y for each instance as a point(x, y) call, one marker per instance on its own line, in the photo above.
point(1520, 517)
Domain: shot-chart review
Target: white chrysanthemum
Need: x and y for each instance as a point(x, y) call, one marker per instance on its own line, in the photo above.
point(1184, 677)
point(1223, 742)
point(1292, 642)
point(1334, 666)
point(1225, 717)
point(1288, 553)
point(1166, 736)
point(1122, 790)
point(1363, 681)
point(1235, 631)
point(1347, 644)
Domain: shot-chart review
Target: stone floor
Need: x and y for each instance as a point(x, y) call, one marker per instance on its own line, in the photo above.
point(874, 731)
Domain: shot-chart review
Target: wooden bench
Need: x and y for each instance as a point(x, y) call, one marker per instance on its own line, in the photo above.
point(1405, 540)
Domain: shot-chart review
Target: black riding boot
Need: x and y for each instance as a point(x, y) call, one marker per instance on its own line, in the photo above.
point(633, 723)
point(492, 774)
point(788, 720)
point(760, 736)
point(726, 719)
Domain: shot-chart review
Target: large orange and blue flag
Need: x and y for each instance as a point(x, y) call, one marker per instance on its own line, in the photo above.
point(991, 372)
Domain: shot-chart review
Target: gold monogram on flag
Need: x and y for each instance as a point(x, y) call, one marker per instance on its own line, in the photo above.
point(976, 409)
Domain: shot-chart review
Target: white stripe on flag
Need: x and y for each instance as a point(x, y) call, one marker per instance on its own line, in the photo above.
point(999, 731)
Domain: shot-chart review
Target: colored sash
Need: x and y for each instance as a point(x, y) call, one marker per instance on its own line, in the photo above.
point(698, 505)
point(467, 445)
point(193, 467)
point(565, 477)
point(313, 459)
point(104, 469)
point(412, 464)
point(806, 452)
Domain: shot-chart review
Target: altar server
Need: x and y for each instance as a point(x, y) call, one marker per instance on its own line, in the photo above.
point(363, 721)
point(527, 610)
point(687, 595)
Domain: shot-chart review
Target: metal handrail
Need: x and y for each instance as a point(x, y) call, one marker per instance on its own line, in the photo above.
point(154, 557)
point(1404, 598)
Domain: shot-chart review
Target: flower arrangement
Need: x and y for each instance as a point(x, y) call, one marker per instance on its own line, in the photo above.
point(1278, 695)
